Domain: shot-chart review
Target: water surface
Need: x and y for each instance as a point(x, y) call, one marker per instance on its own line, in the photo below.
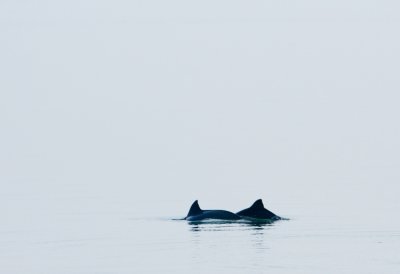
point(107, 242)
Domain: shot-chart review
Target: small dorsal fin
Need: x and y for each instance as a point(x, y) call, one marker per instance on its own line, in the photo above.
point(257, 204)
point(195, 209)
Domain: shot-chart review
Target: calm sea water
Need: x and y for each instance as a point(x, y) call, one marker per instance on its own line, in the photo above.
point(76, 239)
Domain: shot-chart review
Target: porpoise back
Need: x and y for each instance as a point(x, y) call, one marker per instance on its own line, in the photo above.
point(197, 214)
point(258, 211)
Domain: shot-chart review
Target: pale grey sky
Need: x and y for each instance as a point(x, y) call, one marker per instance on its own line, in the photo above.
point(180, 100)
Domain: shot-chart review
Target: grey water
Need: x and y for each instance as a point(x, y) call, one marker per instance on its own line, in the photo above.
point(97, 239)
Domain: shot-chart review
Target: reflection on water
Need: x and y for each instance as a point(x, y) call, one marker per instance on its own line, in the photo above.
point(222, 225)
point(255, 230)
point(229, 245)
point(133, 245)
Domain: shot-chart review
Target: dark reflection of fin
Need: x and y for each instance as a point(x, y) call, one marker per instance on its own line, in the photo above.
point(224, 225)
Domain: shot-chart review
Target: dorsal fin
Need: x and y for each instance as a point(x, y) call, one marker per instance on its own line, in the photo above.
point(257, 204)
point(195, 209)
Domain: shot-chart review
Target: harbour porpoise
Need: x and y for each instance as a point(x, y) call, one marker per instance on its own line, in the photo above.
point(254, 213)
point(258, 211)
point(197, 214)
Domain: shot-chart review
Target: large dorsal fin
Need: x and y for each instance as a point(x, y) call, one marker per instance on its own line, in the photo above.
point(258, 211)
point(195, 209)
point(257, 204)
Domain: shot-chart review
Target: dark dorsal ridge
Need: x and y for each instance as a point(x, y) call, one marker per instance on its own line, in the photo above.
point(195, 209)
point(257, 204)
